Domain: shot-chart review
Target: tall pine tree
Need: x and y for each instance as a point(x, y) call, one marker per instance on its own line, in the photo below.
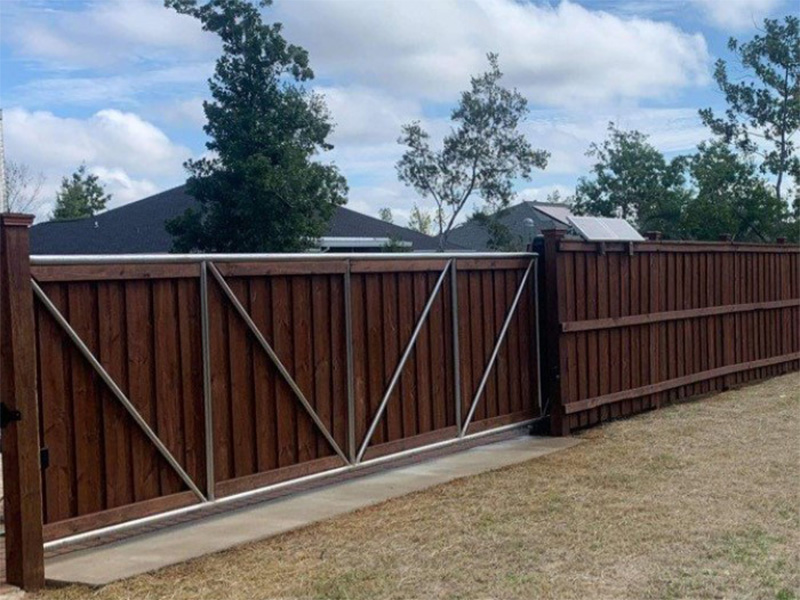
point(261, 189)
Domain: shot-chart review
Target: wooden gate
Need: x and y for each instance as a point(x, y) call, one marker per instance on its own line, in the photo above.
point(167, 383)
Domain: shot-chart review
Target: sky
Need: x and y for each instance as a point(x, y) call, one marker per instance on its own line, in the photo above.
point(119, 84)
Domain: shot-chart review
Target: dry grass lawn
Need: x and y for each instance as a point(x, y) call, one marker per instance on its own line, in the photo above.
point(700, 500)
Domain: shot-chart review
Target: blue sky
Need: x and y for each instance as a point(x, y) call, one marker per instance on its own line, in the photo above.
point(118, 84)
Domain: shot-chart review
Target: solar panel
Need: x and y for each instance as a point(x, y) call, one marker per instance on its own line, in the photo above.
point(605, 229)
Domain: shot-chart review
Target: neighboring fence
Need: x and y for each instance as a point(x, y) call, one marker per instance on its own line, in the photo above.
point(631, 326)
point(169, 381)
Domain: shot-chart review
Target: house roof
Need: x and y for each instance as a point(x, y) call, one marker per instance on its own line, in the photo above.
point(545, 215)
point(138, 228)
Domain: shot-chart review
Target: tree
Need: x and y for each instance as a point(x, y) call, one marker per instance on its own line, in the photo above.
point(80, 195)
point(764, 108)
point(500, 237)
point(634, 181)
point(420, 220)
point(385, 214)
point(730, 198)
point(261, 189)
point(23, 189)
point(483, 154)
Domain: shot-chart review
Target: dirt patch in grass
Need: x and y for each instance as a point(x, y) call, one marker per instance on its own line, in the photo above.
point(700, 500)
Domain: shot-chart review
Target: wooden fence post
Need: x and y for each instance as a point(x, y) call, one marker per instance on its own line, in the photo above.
point(21, 454)
point(550, 323)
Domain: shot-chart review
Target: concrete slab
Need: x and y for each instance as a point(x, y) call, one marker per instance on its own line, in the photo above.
point(104, 564)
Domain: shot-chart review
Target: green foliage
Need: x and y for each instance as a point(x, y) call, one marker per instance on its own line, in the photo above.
point(80, 195)
point(730, 198)
point(484, 153)
point(386, 214)
point(500, 237)
point(764, 107)
point(420, 220)
point(260, 189)
point(632, 180)
point(725, 192)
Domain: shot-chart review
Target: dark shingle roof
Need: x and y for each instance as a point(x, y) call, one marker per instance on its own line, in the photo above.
point(138, 228)
point(473, 234)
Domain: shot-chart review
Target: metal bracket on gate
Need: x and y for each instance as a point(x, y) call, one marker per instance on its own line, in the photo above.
point(8, 415)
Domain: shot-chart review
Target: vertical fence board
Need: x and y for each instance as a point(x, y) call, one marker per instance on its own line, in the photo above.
point(116, 422)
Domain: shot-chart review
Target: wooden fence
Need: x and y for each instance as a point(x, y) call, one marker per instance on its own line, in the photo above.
point(631, 326)
point(174, 381)
point(133, 386)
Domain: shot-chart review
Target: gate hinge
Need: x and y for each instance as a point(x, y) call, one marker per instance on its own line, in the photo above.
point(8, 415)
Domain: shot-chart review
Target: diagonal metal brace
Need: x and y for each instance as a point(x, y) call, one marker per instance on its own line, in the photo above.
point(406, 354)
point(277, 361)
point(511, 311)
point(118, 393)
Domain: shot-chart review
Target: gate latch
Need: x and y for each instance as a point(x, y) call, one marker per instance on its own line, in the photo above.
point(8, 415)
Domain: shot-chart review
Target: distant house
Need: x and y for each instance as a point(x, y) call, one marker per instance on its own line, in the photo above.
point(524, 222)
point(138, 228)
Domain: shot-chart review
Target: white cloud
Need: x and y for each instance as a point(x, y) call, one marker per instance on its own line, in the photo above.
point(738, 14)
point(562, 55)
point(545, 192)
point(132, 157)
point(380, 64)
point(367, 115)
point(179, 112)
point(105, 33)
point(121, 90)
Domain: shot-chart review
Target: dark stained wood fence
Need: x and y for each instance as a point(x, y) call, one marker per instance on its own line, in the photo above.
point(629, 327)
point(143, 322)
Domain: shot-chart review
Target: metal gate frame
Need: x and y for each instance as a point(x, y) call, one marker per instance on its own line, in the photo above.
point(354, 458)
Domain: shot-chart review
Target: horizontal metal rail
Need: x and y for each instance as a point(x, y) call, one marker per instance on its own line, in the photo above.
point(100, 259)
point(118, 393)
point(165, 516)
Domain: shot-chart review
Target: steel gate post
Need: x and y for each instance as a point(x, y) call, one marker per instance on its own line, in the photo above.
point(536, 326)
point(208, 405)
point(456, 350)
point(351, 403)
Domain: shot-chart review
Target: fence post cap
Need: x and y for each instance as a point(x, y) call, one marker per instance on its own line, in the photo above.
point(15, 220)
point(653, 235)
point(554, 232)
